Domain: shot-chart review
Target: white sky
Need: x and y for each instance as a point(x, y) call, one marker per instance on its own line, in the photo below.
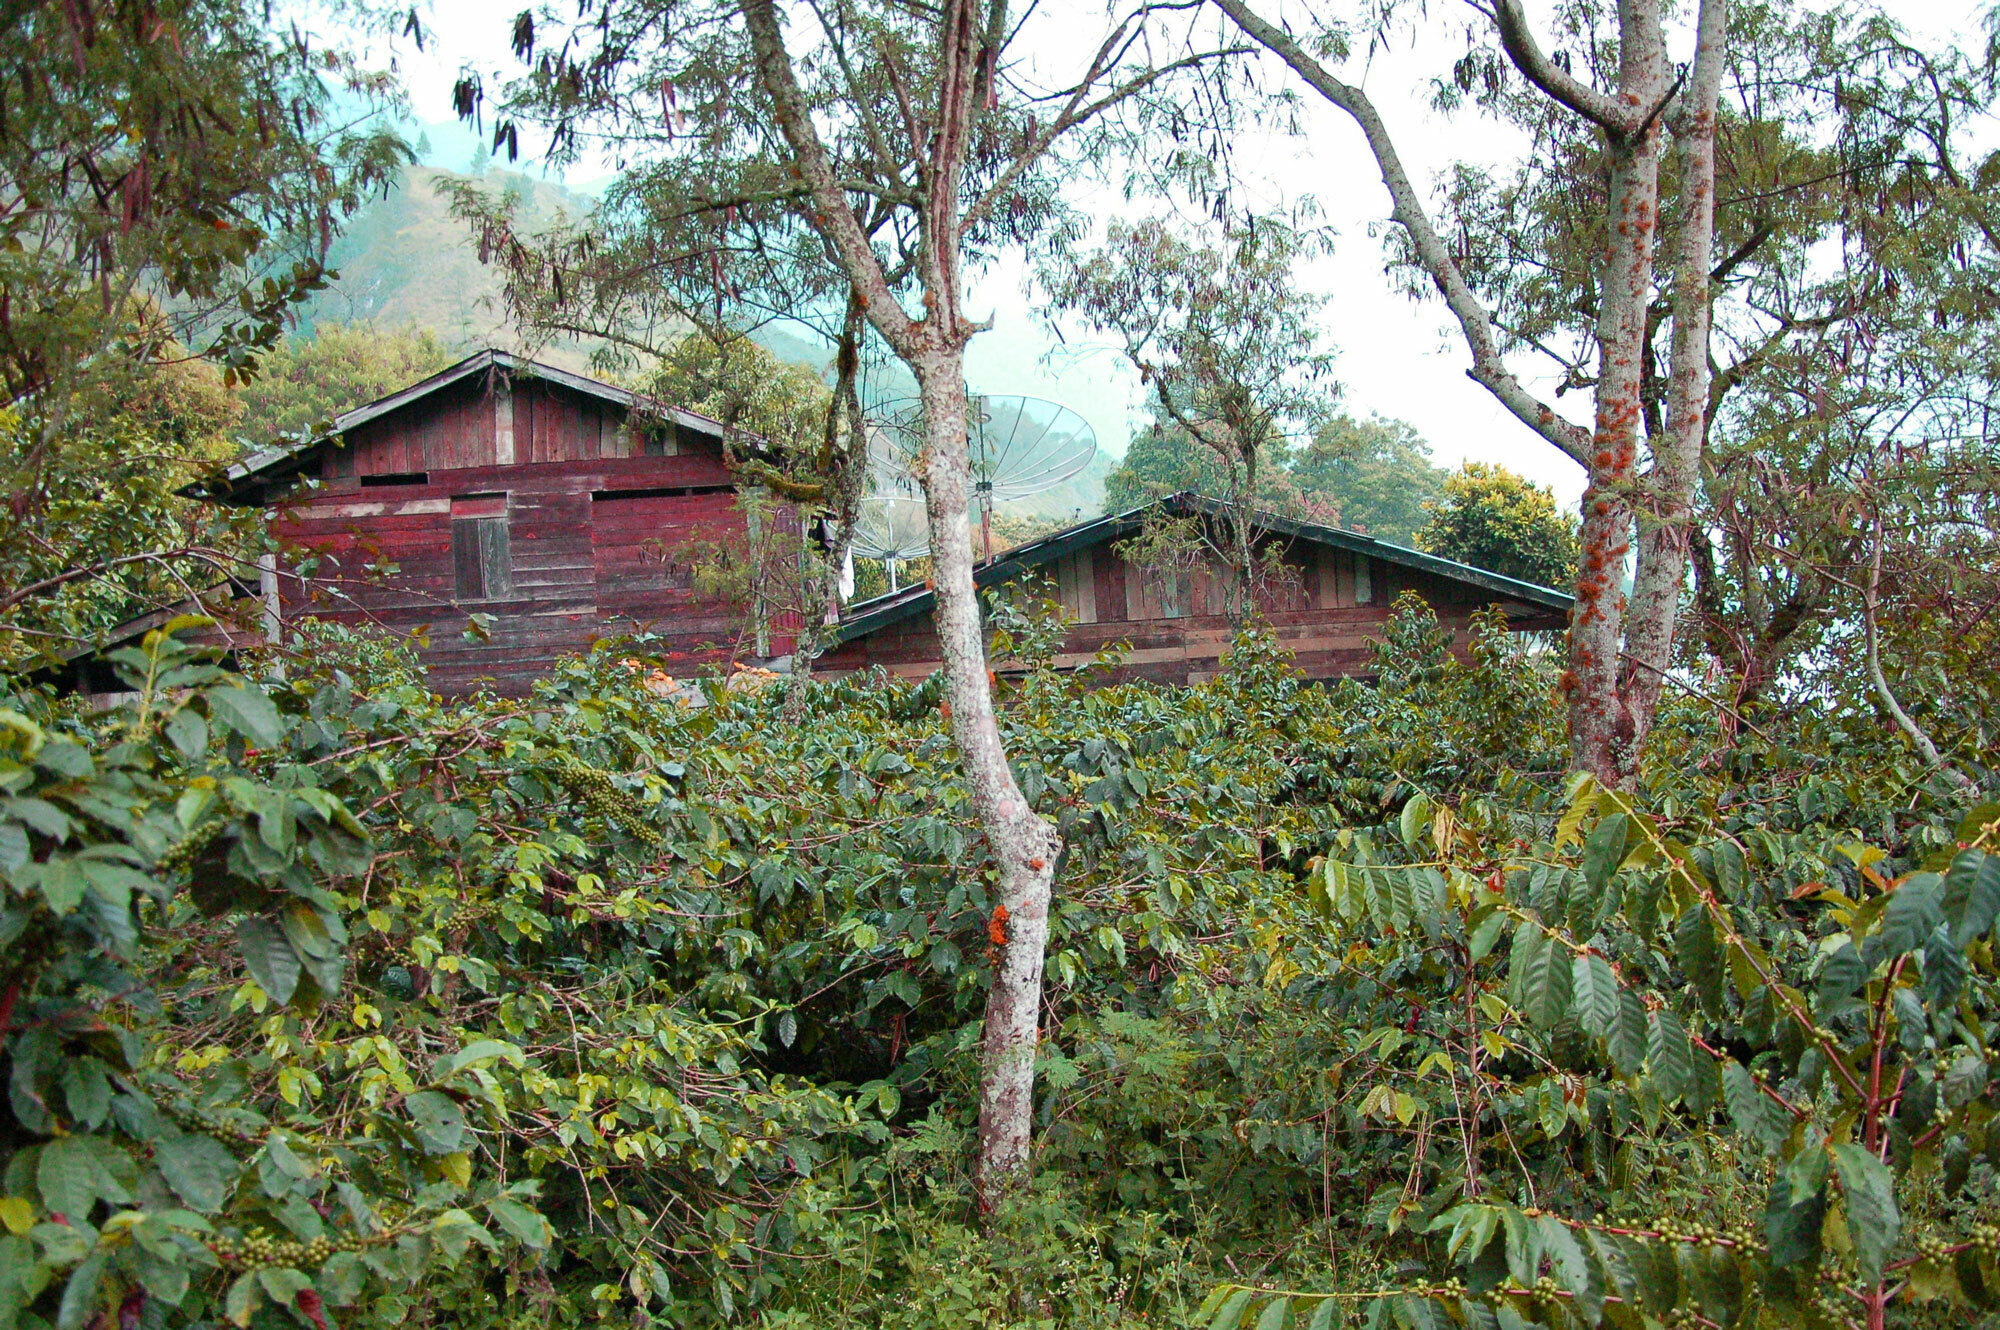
point(1396, 357)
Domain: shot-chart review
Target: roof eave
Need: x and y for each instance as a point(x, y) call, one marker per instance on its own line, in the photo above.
point(268, 463)
point(1005, 567)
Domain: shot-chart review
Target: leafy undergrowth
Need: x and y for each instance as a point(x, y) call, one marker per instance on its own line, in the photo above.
point(329, 1003)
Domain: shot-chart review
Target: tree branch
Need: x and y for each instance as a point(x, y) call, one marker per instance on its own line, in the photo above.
point(838, 222)
point(48, 584)
point(1518, 40)
point(1489, 369)
point(1870, 601)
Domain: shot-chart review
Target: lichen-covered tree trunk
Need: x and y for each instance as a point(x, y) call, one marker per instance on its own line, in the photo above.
point(1620, 645)
point(1600, 728)
point(1666, 509)
point(1024, 844)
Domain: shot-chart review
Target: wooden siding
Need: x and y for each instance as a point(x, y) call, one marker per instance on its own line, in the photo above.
point(591, 521)
point(1076, 585)
point(1327, 609)
point(637, 538)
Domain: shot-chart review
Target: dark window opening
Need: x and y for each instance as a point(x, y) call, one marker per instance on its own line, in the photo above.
point(398, 478)
point(659, 492)
point(662, 440)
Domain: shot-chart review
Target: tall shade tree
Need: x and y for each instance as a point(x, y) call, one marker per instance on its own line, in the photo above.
point(1626, 109)
point(1854, 288)
point(885, 150)
point(1163, 458)
point(1371, 475)
point(175, 174)
point(1226, 340)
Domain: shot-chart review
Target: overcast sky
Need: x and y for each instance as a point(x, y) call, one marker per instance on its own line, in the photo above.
point(1397, 358)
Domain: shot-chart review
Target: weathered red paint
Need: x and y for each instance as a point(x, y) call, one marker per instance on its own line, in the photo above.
point(1316, 615)
point(595, 528)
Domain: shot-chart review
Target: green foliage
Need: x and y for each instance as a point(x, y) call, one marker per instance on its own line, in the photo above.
point(1794, 989)
point(406, 262)
point(308, 381)
point(1491, 518)
point(1348, 996)
point(180, 168)
point(1025, 624)
point(169, 178)
point(746, 387)
point(107, 534)
point(1370, 475)
point(148, 1180)
point(1162, 459)
point(1374, 476)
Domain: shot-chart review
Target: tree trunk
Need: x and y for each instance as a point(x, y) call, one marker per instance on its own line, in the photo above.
point(1243, 478)
point(1619, 651)
point(1024, 844)
point(1871, 601)
point(1600, 728)
point(1666, 520)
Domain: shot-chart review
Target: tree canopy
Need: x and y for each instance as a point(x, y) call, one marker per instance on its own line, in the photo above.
point(1491, 518)
point(307, 381)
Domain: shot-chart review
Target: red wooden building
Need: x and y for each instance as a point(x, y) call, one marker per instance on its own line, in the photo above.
point(549, 503)
point(558, 509)
point(1335, 594)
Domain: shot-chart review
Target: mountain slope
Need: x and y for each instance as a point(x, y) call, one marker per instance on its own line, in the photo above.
point(405, 261)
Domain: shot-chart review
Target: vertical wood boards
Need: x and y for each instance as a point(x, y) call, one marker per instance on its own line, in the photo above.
point(571, 540)
point(1327, 609)
point(1076, 585)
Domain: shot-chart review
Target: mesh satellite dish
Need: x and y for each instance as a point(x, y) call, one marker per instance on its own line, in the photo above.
point(1019, 446)
point(892, 528)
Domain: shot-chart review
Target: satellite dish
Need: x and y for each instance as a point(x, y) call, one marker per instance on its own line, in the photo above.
point(892, 528)
point(893, 444)
point(1018, 446)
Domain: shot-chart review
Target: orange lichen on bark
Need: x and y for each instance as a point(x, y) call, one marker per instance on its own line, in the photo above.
point(996, 927)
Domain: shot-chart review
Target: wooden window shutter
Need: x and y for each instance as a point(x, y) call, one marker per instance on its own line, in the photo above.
point(482, 561)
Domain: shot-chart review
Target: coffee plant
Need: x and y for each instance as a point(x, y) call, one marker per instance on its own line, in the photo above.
point(1571, 1002)
point(330, 1003)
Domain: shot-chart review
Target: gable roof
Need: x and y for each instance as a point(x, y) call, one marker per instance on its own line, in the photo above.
point(880, 612)
point(285, 459)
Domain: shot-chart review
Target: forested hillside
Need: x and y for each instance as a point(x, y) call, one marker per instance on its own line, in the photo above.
point(405, 262)
point(1644, 978)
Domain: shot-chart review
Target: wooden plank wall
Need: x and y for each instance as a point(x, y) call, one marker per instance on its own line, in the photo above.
point(584, 563)
point(643, 577)
point(1318, 614)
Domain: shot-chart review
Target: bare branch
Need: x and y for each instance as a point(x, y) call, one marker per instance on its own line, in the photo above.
point(1870, 602)
point(1489, 369)
point(1518, 40)
point(837, 219)
point(1077, 112)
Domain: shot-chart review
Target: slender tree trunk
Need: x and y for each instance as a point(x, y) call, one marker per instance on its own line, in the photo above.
point(1599, 730)
point(1666, 517)
point(1244, 556)
point(1024, 843)
point(1919, 738)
